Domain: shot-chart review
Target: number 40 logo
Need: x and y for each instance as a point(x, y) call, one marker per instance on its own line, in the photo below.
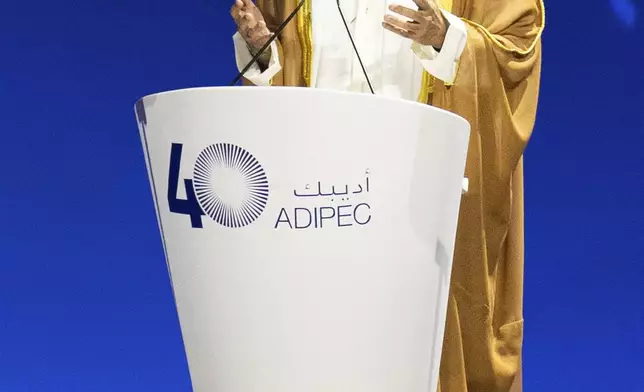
point(201, 195)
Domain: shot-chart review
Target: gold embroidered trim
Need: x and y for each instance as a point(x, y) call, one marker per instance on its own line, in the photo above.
point(426, 87)
point(305, 32)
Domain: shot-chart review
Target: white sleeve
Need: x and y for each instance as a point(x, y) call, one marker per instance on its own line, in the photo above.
point(254, 73)
point(442, 64)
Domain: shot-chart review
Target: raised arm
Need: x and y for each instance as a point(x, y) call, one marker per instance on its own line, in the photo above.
point(253, 32)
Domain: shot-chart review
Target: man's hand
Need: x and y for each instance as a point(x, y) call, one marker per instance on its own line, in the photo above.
point(427, 25)
point(250, 23)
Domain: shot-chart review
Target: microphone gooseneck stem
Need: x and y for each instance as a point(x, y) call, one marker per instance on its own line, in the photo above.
point(355, 49)
point(267, 44)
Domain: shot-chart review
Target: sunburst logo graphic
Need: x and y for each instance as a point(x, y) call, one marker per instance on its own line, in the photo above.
point(230, 185)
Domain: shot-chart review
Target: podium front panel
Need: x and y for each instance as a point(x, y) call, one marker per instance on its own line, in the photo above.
point(309, 235)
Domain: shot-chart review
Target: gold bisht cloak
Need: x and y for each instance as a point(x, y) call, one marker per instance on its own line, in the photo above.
point(496, 90)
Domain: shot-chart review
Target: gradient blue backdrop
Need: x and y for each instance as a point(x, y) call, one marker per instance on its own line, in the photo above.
point(85, 302)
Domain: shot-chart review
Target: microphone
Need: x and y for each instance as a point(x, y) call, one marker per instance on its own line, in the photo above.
point(355, 49)
point(267, 44)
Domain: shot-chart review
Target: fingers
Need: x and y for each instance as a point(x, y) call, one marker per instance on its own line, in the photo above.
point(250, 22)
point(239, 7)
point(236, 11)
point(249, 19)
point(423, 4)
point(406, 12)
point(257, 35)
point(409, 26)
point(244, 20)
point(397, 30)
point(247, 28)
point(258, 30)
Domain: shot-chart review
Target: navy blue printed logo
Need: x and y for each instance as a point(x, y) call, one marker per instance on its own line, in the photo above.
point(229, 185)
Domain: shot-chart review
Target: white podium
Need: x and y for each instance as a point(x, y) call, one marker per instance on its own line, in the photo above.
point(309, 235)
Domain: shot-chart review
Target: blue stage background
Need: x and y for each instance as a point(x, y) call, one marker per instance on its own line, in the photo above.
point(85, 302)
